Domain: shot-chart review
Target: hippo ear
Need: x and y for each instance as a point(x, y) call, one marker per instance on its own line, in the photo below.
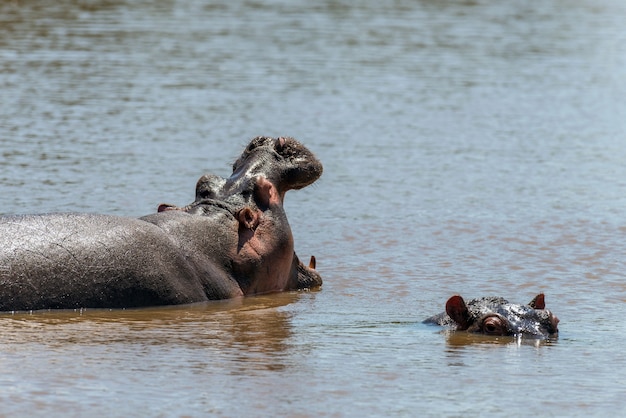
point(265, 193)
point(538, 302)
point(457, 310)
point(248, 218)
point(166, 206)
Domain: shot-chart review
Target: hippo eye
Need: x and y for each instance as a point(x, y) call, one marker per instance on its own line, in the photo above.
point(493, 325)
point(203, 194)
point(490, 329)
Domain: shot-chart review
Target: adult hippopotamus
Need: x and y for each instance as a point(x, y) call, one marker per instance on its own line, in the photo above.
point(497, 316)
point(234, 242)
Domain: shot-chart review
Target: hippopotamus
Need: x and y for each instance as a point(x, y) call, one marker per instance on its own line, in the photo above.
point(233, 240)
point(497, 316)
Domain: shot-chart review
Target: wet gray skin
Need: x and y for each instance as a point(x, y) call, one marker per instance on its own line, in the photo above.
point(255, 192)
point(235, 243)
point(497, 316)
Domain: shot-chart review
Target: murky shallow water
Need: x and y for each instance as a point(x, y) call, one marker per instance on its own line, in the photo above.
point(469, 147)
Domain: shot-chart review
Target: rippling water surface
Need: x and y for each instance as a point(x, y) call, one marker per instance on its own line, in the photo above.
point(471, 147)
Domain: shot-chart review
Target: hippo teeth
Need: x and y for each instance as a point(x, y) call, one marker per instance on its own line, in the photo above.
point(312, 263)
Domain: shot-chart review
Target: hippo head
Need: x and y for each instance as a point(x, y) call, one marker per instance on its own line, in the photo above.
point(285, 162)
point(496, 316)
point(254, 196)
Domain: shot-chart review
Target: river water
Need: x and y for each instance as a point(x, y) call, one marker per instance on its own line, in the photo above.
point(470, 146)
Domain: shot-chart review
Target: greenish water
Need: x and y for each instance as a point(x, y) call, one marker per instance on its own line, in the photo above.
point(469, 147)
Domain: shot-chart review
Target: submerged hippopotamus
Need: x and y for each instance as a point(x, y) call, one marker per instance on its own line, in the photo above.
point(497, 316)
point(231, 242)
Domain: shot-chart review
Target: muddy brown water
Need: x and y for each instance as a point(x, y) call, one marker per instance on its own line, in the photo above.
point(471, 147)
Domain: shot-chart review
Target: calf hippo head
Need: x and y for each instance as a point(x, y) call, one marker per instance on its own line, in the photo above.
point(496, 316)
point(264, 260)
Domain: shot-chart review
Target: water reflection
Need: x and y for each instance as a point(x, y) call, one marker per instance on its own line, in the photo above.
point(247, 331)
point(461, 339)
